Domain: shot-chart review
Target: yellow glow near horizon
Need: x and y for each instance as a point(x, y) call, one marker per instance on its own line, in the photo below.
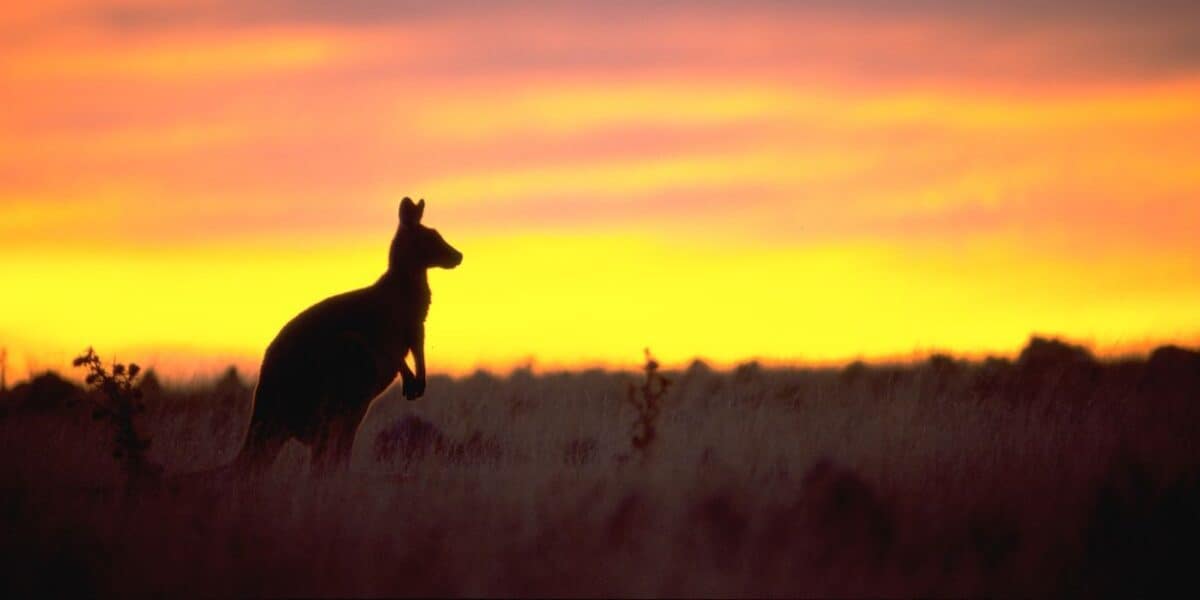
point(597, 300)
point(788, 184)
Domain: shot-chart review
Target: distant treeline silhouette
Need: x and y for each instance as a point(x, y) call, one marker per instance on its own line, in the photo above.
point(1045, 369)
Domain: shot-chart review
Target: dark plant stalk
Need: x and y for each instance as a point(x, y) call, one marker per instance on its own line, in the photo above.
point(119, 400)
point(645, 399)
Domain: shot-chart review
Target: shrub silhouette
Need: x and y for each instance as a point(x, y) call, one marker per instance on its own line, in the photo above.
point(1042, 355)
point(991, 378)
point(477, 449)
point(1051, 371)
point(1174, 373)
point(321, 372)
point(47, 392)
point(117, 402)
point(410, 438)
point(645, 400)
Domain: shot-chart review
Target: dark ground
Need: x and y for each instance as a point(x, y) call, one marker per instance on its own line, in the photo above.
point(1052, 474)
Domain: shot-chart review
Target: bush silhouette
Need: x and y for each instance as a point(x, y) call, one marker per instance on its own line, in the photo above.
point(117, 403)
point(47, 392)
point(645, 399)
point(410, 438)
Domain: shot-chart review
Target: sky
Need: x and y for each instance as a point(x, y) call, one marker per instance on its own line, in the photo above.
point(793, 182)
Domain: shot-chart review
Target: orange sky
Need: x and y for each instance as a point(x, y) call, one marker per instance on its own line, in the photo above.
point(807, 181)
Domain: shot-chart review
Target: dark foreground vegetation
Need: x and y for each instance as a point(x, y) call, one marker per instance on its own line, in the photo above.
point(1049, 474)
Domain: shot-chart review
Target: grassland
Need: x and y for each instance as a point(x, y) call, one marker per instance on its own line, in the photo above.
point(1048, 474)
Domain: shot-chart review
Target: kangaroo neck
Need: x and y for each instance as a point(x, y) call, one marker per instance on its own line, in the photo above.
point(407, 295)
point(404, 281)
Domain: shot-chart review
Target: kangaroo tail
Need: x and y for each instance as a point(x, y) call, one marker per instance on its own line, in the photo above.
point(254, 456)
point(259, 449)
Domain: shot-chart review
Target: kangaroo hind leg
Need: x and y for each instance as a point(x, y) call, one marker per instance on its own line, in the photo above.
point(352, 380)
point(332, 450)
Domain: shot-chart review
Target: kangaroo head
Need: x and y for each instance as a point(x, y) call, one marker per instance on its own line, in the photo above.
point(417, 246)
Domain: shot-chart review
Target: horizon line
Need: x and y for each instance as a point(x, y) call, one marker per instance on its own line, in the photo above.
point(214, 365)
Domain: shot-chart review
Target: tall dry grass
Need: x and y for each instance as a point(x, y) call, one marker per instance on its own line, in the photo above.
point(1050, 474)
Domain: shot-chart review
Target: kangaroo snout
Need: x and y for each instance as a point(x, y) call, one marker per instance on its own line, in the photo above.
point(454, 260)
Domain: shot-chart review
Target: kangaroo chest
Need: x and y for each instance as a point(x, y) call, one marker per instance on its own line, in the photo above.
point(401, 319)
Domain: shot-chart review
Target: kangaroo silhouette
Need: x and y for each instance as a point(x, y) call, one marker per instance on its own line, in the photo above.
point(327, 364)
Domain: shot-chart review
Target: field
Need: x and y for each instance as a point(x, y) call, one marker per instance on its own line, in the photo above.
point(1048, 474)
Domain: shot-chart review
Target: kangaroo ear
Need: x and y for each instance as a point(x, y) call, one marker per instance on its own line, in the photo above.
point(409, 214)
point(420, 209)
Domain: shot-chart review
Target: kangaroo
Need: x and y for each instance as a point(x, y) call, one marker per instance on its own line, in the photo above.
point(327, 364)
